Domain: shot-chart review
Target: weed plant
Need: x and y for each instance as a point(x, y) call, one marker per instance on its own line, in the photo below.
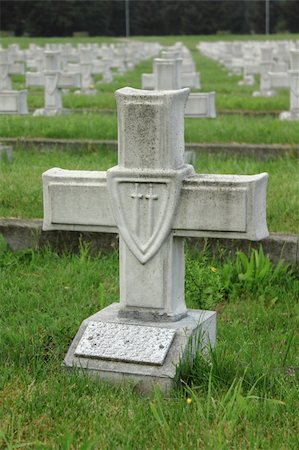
point(243, 396)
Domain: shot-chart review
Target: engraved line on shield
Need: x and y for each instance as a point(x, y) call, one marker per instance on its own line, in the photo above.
point(136, 211)
point(151, 197)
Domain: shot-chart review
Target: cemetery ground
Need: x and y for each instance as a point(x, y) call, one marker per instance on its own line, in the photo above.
point(246, 395)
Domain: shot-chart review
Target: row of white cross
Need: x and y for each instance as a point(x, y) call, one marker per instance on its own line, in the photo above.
point(276, 62)
point(62, 67)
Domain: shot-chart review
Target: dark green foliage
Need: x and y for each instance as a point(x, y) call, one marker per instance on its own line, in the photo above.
point(147, 17)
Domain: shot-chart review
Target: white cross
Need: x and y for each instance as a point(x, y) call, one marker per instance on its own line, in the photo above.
point(170, 202)
point(53, 80)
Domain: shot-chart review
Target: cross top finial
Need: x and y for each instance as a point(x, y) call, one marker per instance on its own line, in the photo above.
point(151, 128)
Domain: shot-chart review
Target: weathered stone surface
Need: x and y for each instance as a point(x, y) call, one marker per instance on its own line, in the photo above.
point(201, 105)
point(122, 342)
point(79, 200)
point(150, 197)
point(13, 102)
point(196, 332)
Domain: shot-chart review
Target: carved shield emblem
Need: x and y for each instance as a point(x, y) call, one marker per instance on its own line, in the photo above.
point(144, 210)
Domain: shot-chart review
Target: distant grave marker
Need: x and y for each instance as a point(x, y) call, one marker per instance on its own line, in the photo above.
point(11, 101)
point(293, 114)
point(6, 153)
point(53, 79)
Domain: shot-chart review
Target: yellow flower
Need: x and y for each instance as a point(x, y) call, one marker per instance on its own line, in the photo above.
point(189, 400)
point(213, 269)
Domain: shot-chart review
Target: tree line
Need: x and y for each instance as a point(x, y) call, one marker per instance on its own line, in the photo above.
point(147, 17)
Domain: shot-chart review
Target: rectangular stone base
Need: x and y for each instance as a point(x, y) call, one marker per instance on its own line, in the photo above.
point(201, 105)
point(144, 353)
point(13, 102)
point(51, 112)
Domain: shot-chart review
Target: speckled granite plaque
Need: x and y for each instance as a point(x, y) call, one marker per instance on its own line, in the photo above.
point(128, 343)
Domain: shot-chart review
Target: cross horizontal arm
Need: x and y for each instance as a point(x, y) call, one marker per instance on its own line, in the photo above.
point(231, 206)
point(35, 79)
point(77, 200)
point(68, 80)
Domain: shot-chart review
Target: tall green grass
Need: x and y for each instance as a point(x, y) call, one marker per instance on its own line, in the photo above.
point(245, 396)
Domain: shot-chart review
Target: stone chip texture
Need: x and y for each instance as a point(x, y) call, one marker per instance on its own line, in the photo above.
point(122, 342)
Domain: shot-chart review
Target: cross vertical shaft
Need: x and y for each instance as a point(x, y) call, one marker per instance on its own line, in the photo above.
point(151, 259)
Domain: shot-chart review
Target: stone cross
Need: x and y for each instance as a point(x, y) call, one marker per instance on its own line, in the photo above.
point(11, 101)
point(266, 65)
point(5, 81)
point(86, 70)
point(153, 200)
point(168, 75)
point(293, 114)
point(54, 80)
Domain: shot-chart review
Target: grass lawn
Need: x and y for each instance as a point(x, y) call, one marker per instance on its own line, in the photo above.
point(246, 396)
point(21, 185)
point(226, 129)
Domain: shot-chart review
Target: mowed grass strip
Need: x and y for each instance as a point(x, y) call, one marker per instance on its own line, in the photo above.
point(223, 129)
point(21, 181)
point(244, 397)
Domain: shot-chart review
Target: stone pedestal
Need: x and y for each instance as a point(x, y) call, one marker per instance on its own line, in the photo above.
point(201, 105)
point(147, 354)
point(13, 102)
